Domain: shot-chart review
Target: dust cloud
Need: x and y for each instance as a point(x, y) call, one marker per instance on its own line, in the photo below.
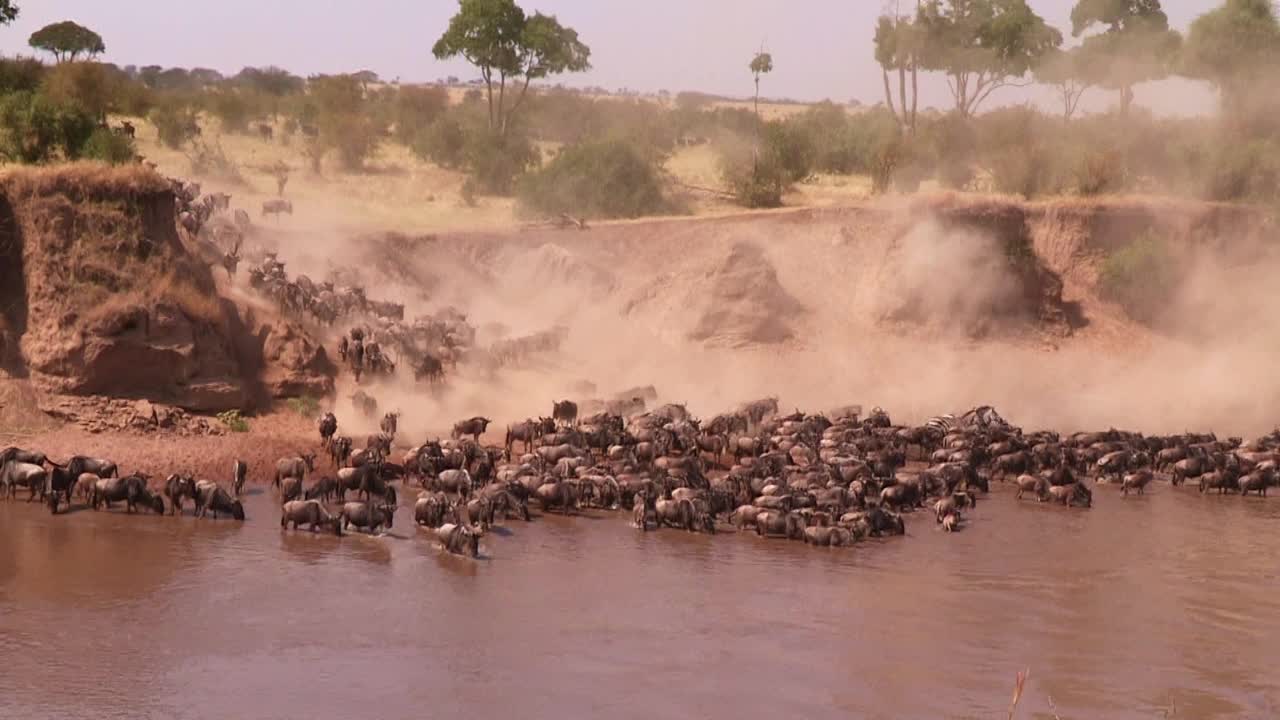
point(812, 307)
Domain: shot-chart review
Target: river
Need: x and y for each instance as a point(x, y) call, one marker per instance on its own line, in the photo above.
point(1137, 608)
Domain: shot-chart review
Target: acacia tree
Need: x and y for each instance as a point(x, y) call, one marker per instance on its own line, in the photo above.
point(1067, 72)
point(67, 41)
point(506, 45)
point(897, 48)
point(8, 12)
point(1136, 46)
point(761, 64)
point(1235, 47)
point(981, 45)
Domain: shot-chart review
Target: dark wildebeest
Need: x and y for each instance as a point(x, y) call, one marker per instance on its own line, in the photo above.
point(328, 427)
point(276, 206)
point(239, 471)
point(528, 432)
point(231, 260)
point(323, 489)
point(308, 512)
point(565, 411)
point(266, 132)
point(390, 422)
point(294, 467)
point(176, 487)
point(475, 427)
point(128, 130)
point(211, 496)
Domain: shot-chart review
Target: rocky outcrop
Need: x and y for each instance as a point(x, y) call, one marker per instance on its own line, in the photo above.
point(102, 298)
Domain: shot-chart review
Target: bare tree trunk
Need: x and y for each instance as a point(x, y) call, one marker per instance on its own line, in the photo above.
point(888, 94)
point(1126, 100)
point(915, 94)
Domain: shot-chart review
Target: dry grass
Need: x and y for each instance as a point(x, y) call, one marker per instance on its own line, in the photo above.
point(81, 180)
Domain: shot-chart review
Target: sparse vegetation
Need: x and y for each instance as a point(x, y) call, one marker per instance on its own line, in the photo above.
point(607, 180)
point(305, 406)
point(1140, 277)
point(233, 421)
point(109, 147)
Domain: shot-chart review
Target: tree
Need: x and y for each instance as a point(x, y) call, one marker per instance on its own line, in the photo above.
point(981, 45)
point(504, 44)
point(761, 64)
point(1137, 45)
point(67, 41)
point(1236, 47)
point(8, 12)
point(1066, 71)
point(897, 48)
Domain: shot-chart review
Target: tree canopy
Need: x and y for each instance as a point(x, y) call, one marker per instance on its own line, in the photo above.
point(981, 45)
point(8, 12)
point(270, 80)
point(897, 49)
point(1233, 47)
point(67, 40)
point(1135, 46)
point(761, 64)
point(505, 44)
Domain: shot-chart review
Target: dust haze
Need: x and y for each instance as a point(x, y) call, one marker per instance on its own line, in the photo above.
point(878, 305)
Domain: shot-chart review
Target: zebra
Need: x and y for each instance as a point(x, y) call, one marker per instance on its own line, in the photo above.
point(983, 417)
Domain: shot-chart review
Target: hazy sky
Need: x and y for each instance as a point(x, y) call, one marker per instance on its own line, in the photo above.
point(821, 48)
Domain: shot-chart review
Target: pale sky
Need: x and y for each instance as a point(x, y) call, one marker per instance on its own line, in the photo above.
point(821, 48)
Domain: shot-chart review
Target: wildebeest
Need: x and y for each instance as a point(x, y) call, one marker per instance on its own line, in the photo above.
point(231, 260)
point(276, 206)
point(294, 467)
point(266, 132)
point(308, 512)
point(15, 474)
point(390, 422)
point(212, 496)
point(328, 427)
point(132, 490)
point(565, 411)
point(475, 427)
point(366, 517)
point(239, 471)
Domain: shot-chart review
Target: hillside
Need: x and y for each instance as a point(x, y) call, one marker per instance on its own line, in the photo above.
point(101, 297)
point(928, 305)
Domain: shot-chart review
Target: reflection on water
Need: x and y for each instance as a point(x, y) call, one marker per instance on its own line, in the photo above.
point(1127, 610)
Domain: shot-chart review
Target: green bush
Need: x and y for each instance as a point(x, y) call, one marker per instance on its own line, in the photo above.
point(606, 180)
point(1100, 171)
point(755, 181)
point(417, 108)
point(1243, 171)
point(21, 74)
point(790, 149)
point(34, 129)
point(175, 123)
point(306, 406)
point(233, 422)
point(444, 143)
point(109, 147)
point(1139, 276)
point(496, 162)
point(353, 136)
point(232, 110)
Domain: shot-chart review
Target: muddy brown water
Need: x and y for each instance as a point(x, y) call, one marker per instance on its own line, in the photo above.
point(1136, 608)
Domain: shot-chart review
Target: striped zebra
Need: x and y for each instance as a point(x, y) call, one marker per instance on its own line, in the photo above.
point(979, 418)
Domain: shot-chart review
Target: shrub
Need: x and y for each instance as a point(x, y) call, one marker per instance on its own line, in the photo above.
point(21, 74)
point(33, 129)
point(1242, 171)
point(306, 406)
point(1099, 171)
point(755, 181)
point(495, 162)
point(468, 193)
point(443, 142)
point(231, 109)
point(1139, 277)
point(789, 148)
point(416, 109)
point(109, 147)
point(233, 422)
point(176, 124)
point(212, 161)
point(353, 136)
point(606, 179)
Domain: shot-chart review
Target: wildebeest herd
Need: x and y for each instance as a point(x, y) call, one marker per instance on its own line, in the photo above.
point(824, 480)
